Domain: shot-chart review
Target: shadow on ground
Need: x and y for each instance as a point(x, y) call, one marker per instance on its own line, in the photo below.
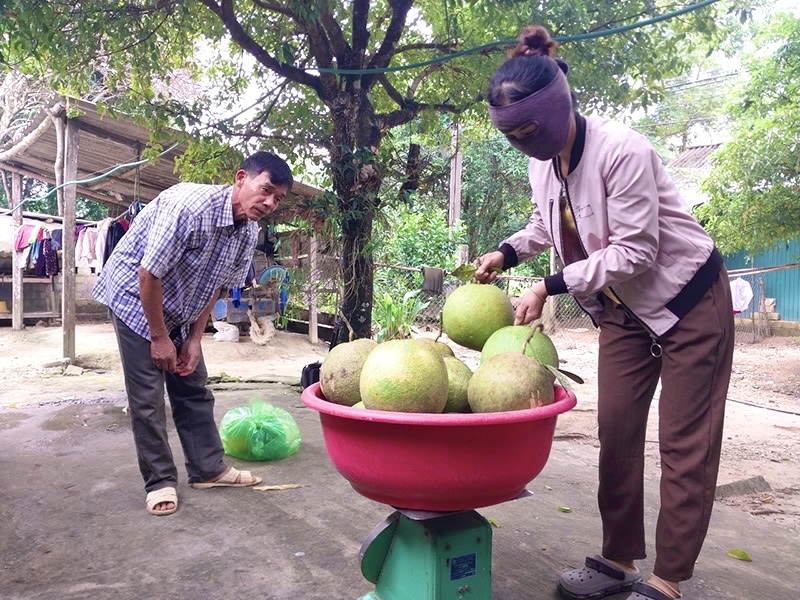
point(73, 524)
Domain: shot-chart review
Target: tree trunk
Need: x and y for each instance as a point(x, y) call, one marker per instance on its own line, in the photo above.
point(356, 181)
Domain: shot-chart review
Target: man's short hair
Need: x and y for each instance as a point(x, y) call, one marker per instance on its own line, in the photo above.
point(279, 171)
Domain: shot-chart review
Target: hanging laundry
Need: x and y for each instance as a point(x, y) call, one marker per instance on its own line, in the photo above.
point(50, 257)
point(22, 239)
point(741, 294)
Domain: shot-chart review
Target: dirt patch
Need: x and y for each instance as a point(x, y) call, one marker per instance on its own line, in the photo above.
point(761, 427)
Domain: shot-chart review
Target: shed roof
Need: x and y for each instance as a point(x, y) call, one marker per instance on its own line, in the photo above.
point(696, 157)
point(107, 141)
point(689, 169)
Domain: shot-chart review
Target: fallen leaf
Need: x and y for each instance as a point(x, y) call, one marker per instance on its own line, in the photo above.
point(740, 555)
point(277, 488)
point(493, 522)
point(565, 509)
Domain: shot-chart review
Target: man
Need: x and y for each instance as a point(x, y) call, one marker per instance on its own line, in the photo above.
point(180, 254)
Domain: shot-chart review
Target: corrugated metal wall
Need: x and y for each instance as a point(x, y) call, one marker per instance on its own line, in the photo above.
point(782, 285)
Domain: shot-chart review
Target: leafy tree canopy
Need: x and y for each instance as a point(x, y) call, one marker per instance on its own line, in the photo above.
point(319, 70)
point(755, 184)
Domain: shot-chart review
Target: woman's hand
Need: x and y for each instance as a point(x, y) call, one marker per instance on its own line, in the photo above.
point(531, 306)
point(489, 265)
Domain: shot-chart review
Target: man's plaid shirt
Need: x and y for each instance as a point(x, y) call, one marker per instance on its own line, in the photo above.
point(187, 238)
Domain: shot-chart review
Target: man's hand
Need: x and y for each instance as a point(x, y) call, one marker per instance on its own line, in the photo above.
point(530, 307)
point(489, 265)
point(163, 352)
point(189, 357)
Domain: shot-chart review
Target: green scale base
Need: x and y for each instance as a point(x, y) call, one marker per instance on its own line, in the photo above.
point(414, 555)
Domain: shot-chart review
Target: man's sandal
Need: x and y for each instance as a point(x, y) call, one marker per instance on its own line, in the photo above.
point(598, 579)
point(162, 496)
point(645, 591)
point(231, 478)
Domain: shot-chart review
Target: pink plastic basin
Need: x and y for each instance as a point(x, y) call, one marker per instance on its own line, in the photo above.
point(438, 462)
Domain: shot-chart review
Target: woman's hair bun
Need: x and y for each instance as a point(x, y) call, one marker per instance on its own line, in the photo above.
point(533, 40)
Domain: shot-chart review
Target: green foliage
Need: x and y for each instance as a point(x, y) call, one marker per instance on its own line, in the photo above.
point(281, 53)
point(395, 319)
point(416, 238)
point(495, 193)
point(755, 184)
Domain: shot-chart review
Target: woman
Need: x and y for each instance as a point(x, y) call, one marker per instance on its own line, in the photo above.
point(650, 277)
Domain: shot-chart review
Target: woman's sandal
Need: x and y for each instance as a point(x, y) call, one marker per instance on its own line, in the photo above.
point(645, 591)
point(231, 478)
point(598, 579)
point(162, 496)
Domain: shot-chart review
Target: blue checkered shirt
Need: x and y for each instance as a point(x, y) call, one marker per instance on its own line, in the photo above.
point(187, 238)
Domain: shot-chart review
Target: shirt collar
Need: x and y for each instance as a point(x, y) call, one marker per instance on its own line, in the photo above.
point(225, 209)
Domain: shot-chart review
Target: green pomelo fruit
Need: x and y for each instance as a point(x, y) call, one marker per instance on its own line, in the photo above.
point(359, 405)
point(458, 376)
point(340, 373)
point(404, 376)
point(510, 381)
point(473, 312)
point(441, 348)
point(512, 338)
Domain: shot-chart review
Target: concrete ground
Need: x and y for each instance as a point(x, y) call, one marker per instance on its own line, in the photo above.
point(73, 524)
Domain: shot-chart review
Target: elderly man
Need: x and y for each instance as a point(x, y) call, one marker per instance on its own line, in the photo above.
point(181, 252)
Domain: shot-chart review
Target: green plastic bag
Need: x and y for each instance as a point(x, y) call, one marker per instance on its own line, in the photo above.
point(259, 432)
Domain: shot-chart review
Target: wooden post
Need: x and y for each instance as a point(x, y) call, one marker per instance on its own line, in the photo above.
point(454, 210)
point(313, 326)
point(17, 277)
point(72, 134)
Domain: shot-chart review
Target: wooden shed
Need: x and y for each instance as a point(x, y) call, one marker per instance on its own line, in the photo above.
point(79, 149)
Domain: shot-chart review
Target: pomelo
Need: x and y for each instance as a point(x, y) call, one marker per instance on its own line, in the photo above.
point(359, 405)
point(510, 381)
point(512, 338)
point(340, 373)
point(404, 376)
point(441, 348)
point(458, 376)
point(473, 312)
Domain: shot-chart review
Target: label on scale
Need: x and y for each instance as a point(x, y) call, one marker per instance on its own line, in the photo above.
point(463, 566)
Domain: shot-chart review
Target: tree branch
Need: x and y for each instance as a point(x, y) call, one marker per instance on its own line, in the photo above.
point(446, 48)
point(225, 13)
point(360, 31)
point(395, 29)
point(277, 8)
point(391, 90)
point(338, 42)
point(412, 88)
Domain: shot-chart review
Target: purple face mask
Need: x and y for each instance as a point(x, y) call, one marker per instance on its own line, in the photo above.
point(550, 108)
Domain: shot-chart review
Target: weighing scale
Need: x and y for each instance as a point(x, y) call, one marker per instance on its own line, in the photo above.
point(435, 470)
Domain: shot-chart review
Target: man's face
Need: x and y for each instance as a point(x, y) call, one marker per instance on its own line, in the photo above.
point(255, 196)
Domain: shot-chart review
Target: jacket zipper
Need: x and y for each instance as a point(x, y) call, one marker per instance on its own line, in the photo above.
point(655, 347)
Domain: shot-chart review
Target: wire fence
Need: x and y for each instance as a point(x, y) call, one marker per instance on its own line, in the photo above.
point(561, 313)
point(317, 285)
point(753, 320)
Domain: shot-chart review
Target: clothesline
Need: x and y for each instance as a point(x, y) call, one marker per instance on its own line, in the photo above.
point(760, 270)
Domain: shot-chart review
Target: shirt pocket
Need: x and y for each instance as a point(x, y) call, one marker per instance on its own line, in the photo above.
point(196, 241)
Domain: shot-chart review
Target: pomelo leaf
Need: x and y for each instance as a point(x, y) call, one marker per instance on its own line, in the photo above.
point(559, 376)
point(565, 509)
point(739, 554)
point(464, 272)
